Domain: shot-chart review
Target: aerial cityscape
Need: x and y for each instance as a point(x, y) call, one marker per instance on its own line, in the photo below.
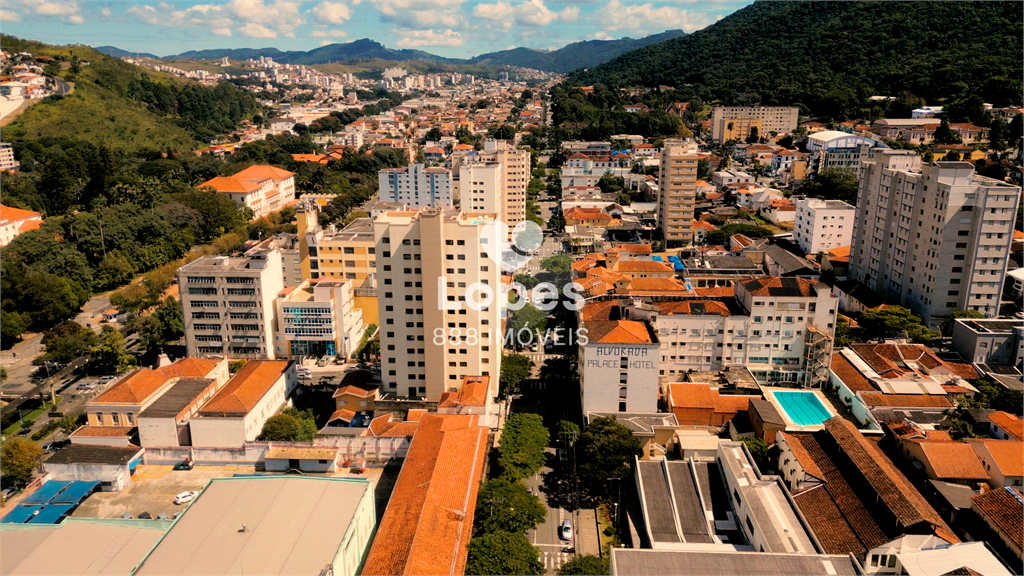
point(539, 287)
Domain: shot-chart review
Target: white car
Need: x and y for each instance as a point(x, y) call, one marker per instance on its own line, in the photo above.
point(566, 530)
point(185, 497)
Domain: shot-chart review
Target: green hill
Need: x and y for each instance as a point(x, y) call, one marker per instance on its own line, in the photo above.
point(831, 56)
point(126, 107)
point(575, 55)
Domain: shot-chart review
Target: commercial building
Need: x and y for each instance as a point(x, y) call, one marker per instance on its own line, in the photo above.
point(677, 192)
point(237, 413)
point(430, 265)
point(346, 254)
point(127, 398)
point(417, 186)
point(618, 364)
point(77, 546)
point(14, 221)
point(262, 189)
point(228, 304)
point(428, 522)
point(780, 329)
point(698, 562)
point(779, 119)
point(822, 225)
point(989, 341)
point(934, 238)
point(317, 318)
point(269, 525)
point(165, 421)
point(111, 466)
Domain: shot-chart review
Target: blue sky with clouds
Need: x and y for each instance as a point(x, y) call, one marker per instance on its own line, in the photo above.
point(453, 28)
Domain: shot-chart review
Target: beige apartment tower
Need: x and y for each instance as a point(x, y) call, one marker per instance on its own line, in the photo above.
point(780, 119)
point(494, 180)
point(932, 237)
point(430, 338)
point(677, 191)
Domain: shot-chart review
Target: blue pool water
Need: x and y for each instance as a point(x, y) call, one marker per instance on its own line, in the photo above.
point(803, 408)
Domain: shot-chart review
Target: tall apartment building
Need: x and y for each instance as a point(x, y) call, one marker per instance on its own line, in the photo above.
point(7, 161)
point(430, 340)
point(781, 329)
point(499, 164)
point(781, 119)
point(934, 238)
point(228, 304)
point(416, 186)
point(822, 225)
point(678, 191)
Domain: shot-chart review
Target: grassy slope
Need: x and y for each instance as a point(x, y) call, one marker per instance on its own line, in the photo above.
point(95, 113)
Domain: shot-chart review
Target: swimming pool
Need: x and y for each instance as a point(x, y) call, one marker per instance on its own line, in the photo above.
point(803, 408)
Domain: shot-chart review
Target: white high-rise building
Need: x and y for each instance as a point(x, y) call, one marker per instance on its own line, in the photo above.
point(416, 186)
point(935, 237)
point(823, 224)
point(228, 304)
point(429, 263)
point(494, 180)
point(677, 191)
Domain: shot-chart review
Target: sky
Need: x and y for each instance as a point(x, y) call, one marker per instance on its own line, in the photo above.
point(451, 28)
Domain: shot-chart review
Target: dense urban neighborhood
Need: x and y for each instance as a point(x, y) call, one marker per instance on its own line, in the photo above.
point(391, 313)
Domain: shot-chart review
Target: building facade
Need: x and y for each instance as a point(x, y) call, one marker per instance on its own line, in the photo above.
point(316, 319)
point(934, 238)
point(780, 119)
point(228, 304)
point(416, 186)
point(429, 264)
point(677, 192)
point(14, 221)
point(510, 193)
point(7, 161)
point(822, 225)
point(262, 189)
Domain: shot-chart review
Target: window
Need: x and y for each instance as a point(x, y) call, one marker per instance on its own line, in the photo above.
point(750, 525)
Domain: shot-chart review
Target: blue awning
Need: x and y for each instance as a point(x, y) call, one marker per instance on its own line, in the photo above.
point(51, 514)
point(46, 492)
point(134, 464)
point(20, 514)
point(78, 491)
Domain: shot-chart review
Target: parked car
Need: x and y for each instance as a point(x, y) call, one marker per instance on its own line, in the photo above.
point(566, 530)
point(161, 516)
point(106, 378)
point(186, 464)
point(127, 516)
point(145, 516)
point(323, 362)
point(185, 497)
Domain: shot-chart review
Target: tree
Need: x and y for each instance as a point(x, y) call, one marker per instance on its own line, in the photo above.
point(12, 326)
point(586, 565)
point(606, 449)
point(67, 341)
point(890, 322)
point(946, 135)
point(502, 132)
point(109, 355)
point(18, 458)
point(514, 369)
point(434, 134)
point(568, 432)
point(786, 141)
point(526, 280)
point(503, 553)
point(281, 428)
point(952, 156)
point(560, 265)
point(169, 323)
point(753, 137)
point(1016, 131)
point(997, 133)
point(833, 184)
point(529, 318)
point(505, 506)
point(523, 440)
point(307, 422)
point(759, 451)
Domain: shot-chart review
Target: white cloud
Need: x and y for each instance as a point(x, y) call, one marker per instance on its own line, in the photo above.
point(76, 19)
point(57, 8)
point(9, 16)
point(529, 13)
point(417, 38)
point(328, 34)
point(421, 14)
point(602, 35)
point(221, 31)
point(106, 13)
point(254, 30)
point(638, 17)
point(332, 12)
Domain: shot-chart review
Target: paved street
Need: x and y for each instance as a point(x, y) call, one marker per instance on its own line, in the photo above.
point(550, 247)
point(547, 536)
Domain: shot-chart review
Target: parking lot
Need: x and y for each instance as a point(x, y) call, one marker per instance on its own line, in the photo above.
point(154, 487)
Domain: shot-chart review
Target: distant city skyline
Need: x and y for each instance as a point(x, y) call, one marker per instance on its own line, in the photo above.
point(450, 28)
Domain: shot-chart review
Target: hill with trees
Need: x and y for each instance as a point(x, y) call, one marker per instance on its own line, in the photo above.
point(573, 56)
point(364, 48)
point(830, 57)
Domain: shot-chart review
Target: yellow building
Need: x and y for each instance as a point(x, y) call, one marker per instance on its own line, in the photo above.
point(739, 128)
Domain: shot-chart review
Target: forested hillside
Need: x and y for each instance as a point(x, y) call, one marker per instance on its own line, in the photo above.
point(575, 55)
point(829, 57)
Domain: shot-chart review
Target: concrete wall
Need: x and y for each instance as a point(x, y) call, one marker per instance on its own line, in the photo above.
point(158, 432)
point(101, 440)
point(306, 465)
point(118, 476)
point(374, 450)
point(218, 432)
point(356, 542)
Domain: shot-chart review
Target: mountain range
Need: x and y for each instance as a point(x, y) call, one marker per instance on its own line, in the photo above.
point(566, 59)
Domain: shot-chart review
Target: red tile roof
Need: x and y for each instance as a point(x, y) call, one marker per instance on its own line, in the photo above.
point(1008, 454)
point(619, 332)
point(244, 391)
point(849, 374)
point(952, 460)
point(141, 384)
point(776, 286)
point(642, 266)
point(693, 307)
point(1010, 423)
point(1004, 509)
point(385, 427)
point(474, 392)
point(907, 400)
point(429, 518)
point(345, 415)
point(9, 214)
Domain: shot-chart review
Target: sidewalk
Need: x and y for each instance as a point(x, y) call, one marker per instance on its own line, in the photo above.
point(589, 539)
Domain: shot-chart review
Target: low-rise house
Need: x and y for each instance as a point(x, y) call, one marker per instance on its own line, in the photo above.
point(1002, 459)
point(237, 413)
point(261, 188)
point(699, 404)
